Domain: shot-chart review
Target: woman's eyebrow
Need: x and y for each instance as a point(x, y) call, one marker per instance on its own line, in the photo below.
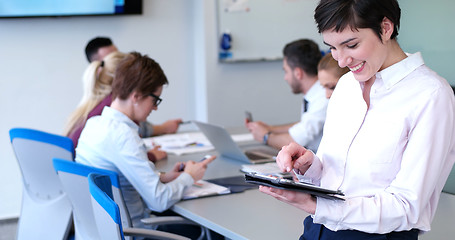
point(344, 42)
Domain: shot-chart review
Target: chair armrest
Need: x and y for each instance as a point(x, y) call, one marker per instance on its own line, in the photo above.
point(167, 220)
point(155, 234)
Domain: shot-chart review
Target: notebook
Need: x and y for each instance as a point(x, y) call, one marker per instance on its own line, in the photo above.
point(226, 147)
point(236, 183)
point(203, 188)
point(289, 184)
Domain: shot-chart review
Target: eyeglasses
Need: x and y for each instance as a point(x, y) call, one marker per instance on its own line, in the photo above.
point(157, 100)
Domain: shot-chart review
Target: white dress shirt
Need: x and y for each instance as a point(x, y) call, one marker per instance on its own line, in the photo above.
point(308, 132)
point(392, 159)
point(111, 141)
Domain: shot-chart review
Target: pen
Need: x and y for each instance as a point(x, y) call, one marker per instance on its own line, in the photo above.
point(182, 166)
point(185, 122)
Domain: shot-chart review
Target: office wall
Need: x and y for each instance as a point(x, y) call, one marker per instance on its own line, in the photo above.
point(261, 27)
point(42, 62)
point(426, 28)
point(235, 87)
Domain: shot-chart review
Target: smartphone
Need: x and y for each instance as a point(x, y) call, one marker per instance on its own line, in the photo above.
point(248, 116)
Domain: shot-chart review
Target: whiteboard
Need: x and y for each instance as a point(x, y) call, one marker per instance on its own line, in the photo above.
point(261, 28)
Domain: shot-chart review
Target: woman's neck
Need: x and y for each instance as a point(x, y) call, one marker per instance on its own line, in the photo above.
point(123, 106)
point(395, 54)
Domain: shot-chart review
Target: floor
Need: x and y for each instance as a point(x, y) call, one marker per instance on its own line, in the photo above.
point(8, 229)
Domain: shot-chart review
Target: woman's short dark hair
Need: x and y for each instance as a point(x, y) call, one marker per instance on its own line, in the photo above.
point(339, 14)
point(138, 73)
point(303, 53)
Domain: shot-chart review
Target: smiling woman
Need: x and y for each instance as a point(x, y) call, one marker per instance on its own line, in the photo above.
point(389, 122)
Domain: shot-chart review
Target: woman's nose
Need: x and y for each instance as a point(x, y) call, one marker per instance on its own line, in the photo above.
point(343, 59)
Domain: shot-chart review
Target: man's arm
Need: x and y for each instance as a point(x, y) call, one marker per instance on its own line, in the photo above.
point(281, 128)
point(278, 140)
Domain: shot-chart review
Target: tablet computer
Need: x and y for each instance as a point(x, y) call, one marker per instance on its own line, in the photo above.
point(288, 184)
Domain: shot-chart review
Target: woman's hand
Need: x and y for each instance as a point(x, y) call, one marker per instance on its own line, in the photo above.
point(156, 154)
point(294, 156)
point(197, 169)
point(173, 174)
point(303, 201)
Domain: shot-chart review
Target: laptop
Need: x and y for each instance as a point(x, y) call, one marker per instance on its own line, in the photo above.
point(226, 147)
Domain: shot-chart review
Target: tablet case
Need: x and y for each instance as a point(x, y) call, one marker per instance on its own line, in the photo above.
point(287, 184)
point(236, 184)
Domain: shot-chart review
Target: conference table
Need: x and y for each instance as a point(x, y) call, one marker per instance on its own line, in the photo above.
point(245, 215)
point(254, 215)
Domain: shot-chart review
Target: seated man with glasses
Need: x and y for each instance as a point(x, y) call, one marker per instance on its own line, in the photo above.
point(111, 141)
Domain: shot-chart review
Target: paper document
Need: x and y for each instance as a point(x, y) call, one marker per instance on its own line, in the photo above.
point(180, 143)
point(263, 168)
point(189, 142)
point(203, 188)
point(242, 137)
point(270, 168)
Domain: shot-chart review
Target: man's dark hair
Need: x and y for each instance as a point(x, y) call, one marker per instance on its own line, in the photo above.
point(138, 73)
point(93, 45)
point(339, 14)
point(303, 53)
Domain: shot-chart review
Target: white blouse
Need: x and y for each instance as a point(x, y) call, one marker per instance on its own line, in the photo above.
point(111, 141)
point(392, 159)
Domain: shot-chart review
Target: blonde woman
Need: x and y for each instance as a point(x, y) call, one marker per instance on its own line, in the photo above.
point(329, 73)
point(97, 81)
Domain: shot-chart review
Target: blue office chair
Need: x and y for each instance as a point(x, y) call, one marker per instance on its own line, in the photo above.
point(74, 178)
point(46, 210)
point(107, 213)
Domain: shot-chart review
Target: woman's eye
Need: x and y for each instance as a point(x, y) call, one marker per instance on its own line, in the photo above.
point(352, 46)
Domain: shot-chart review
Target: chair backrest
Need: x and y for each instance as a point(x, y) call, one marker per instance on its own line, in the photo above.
point(34, 152)
point(74, 178)
point(46, 210)
point(105, 210)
